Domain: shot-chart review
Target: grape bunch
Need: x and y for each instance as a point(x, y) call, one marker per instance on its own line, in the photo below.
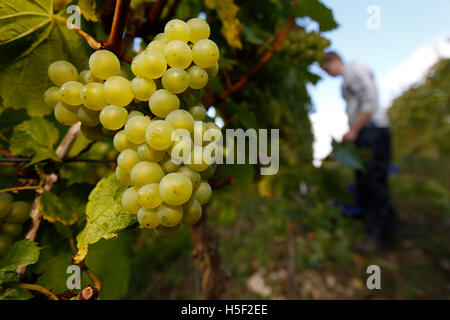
point(169, 76)
point(13, 215)
point(304, 47)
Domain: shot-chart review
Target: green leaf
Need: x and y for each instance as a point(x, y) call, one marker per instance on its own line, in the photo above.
point(347, 154)
point(34, 138)
point(316, 10)
point(15, 294)
point(115, 276)
point(8, 277)
point(31, 38)
point(87, 8)
point(21, 253)
point(244, 115)
point(251, 37)
point(105, 215)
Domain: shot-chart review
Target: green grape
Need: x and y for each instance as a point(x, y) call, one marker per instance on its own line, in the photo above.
point(129, 201)
point(135, 129)
point(192, 212)
point(5, 243)
point(104, 64)
point(118, 91)
point(143, 88)
point(168, 165)
point(194, 176)
point(175, 188)
point(134, 114)
point(122, 143)
point(64, 115)
point(122, 176)
point(86, 76)
point(199, 29)
point(191, 97)
point(88, 117)
point(197, 161)
point(149, 197)
point(159, 134)
point(20, 212)
point(149, 154)
point(113, 117)
point(6, 201)
point(180, 151)
point(178, 54)
point(213, 71)
point(198, 112)
point(166, 231)
point(146, 172)
point(181, 119)
point(136, 63)
point(175, 80)
point(127, 159)
point(203, 193)
point(160, 37)
point(205, 53)
point(198, 133)
point(177, 30)
point(51, 97)
point(162, 102)
point(148, 218)
point(93, 96)
point(12, 230)
point(70, 93)
point(198, 77)
point(62, 71)
point(93, 133)
point(157, 45)
point(170, 215)
point(150, 64)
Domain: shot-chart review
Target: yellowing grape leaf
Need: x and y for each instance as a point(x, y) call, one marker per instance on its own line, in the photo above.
point(31, 38)
point(34, 138)
point(105, 215)
point(231, 26)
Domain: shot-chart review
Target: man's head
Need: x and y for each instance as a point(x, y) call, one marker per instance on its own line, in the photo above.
point(332, 63)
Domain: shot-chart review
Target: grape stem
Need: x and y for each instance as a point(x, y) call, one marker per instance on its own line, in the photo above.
point(36, 214)
point(266, 58)
point(12, 189)
point(34, 287)
point(114, 42)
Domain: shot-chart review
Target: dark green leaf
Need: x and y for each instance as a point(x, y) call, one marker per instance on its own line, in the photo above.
point(318, 11)
point(347, 154)
point(21, 253)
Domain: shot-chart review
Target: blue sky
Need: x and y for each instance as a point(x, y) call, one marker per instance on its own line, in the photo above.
point(411, 36)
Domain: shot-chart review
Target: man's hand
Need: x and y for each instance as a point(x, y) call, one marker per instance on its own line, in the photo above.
point(350, 136)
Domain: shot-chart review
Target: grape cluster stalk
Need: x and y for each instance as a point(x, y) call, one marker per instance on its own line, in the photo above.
point(143, 116)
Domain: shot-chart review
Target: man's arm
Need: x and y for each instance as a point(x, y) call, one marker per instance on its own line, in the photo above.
point(362, 119)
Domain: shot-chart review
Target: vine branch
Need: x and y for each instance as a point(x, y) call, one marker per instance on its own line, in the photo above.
point(36, 213)
point(266, 58)
point(37, 288)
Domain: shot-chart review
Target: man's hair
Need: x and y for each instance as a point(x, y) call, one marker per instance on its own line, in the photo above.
point(330, 56)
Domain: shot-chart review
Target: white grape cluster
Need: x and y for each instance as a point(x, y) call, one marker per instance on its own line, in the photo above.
point(177, 63)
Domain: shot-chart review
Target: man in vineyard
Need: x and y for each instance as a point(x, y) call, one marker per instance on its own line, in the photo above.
point(369, 129)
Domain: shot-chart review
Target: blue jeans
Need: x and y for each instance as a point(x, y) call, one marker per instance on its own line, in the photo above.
point(372, 185)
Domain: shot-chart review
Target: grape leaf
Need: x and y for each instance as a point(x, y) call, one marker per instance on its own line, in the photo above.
point(318, 11)
point(8, 277)
point(31, 38)
point(347, 154)
point(105, 215)
point(55, 209)
point(35, 138)
point(15, 294)
point(21, 253)
point(115, 276)
point(87, 8)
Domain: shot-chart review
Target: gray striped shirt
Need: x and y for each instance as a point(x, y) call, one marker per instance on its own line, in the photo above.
point(360, 92)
